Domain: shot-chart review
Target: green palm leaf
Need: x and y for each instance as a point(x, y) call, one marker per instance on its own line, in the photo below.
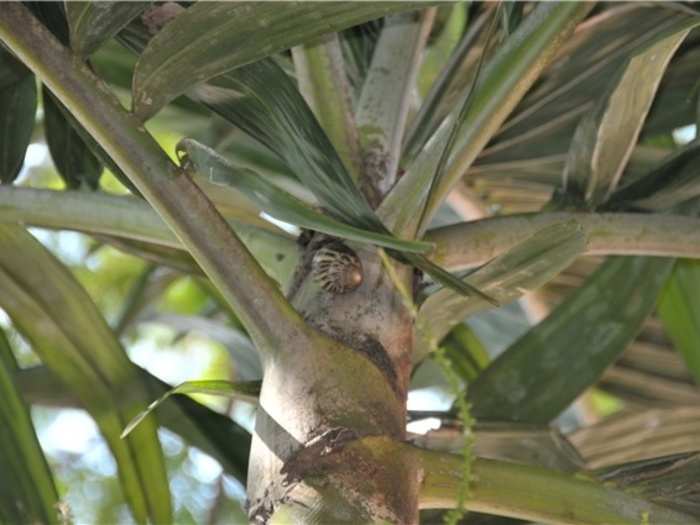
point(209, 39)
point(65, 329)
point(17, 111)
point(551, 365)
point(27, 491)
point(93, 23)
point(679, 309)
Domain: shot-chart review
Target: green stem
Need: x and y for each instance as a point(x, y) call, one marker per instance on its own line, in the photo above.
point(98, 213)
point(268, 317)
point(533, 493)
point(466, 245)
point(132, 219)
point(382, 110)
point(459, 246)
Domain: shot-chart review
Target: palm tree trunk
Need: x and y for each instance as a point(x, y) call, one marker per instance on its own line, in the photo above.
point(317, 399)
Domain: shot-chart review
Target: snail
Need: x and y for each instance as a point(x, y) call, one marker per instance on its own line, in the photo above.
point(336, 268)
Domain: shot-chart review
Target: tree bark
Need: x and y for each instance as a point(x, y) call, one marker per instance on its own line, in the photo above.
point(318, 398)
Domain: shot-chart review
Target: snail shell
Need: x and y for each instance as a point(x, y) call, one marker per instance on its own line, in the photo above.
point(337, 268)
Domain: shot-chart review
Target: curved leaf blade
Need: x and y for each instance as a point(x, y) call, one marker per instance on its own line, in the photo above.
point(444, 277)
point(679, 309)
point(605, 137)
point(398, 209)
point(74, 161)
point(507, 76)
point(27, 490)
point(92, 23)
point(323, 81)
point(438, 54)
point(261, 99)
point(64, 327)
point(245, 391)
point(17, 111)
point(672, 182)
point(545, 370)
point(215, 434)
point(432, 111)
point(280, 204)
point(537, 136)
point(11, 69)
point(525, 267)
point(209, 39)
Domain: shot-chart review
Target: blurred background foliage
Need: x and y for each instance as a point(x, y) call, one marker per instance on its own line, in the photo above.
point(175, 326)
point(83, 468)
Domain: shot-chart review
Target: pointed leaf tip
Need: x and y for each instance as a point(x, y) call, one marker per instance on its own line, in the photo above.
point(244, 390)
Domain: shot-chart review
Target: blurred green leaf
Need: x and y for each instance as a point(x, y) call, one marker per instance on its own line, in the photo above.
point(245, 360)
point(209, 39)
point(605, 137)
point(460, 119)
point(535, 139)
point(440, 99)
point(74, 161)
point(438, 52)
point(398, 209)
point(247, 391)
point(136, 298)
point(551, 365)
point(679, 309)
point(525, 267)
point(671, 481)
point(70, 336)
point(27, 491)
point(466, 352)
point(114, 64)
point(213, 433)
point(11, 69)
point(280, 204)
point(72, 148)
point(358, 45)
point(321, 78)
point(132, 223)
point(511, 15)
point(53, 16)
point(673, 181)
point(17, 111)
point(94, 22)
point(167, 256)
point(512, 70)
